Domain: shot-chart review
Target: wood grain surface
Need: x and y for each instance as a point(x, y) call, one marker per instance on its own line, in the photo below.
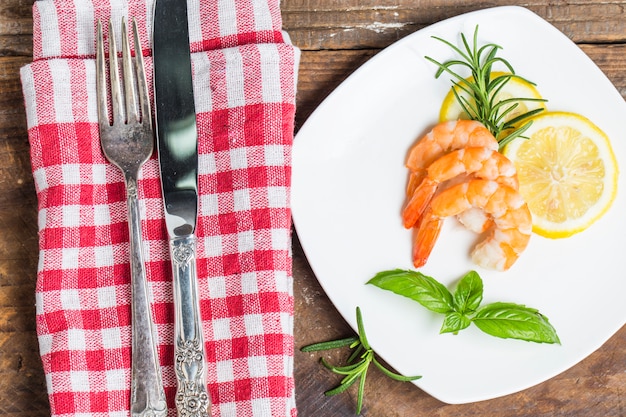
point(336, 37)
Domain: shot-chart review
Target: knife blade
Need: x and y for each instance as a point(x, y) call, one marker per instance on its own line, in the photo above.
point(177, 144)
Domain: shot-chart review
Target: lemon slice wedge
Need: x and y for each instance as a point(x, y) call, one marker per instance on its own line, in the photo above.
point(514, 88)
point(567, 172)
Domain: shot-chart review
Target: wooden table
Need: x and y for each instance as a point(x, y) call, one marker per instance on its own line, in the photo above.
point(336, 37)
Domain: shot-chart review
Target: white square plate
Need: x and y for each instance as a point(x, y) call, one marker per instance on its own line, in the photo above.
point(349, 189)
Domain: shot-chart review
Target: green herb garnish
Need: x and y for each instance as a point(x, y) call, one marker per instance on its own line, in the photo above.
point(357, 364)
point(482, 88)
point(505, 320)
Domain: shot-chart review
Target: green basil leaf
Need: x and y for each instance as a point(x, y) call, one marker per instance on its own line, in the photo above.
point(453, 322)
point(515, 321)
point(469, 293)
point(412, 284)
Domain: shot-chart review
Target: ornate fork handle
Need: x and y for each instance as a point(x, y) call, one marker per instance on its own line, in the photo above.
point(192, 398)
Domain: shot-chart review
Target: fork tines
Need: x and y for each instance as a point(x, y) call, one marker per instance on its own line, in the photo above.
point(133, 113)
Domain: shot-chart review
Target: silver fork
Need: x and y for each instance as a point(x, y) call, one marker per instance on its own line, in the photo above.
point(128, 144)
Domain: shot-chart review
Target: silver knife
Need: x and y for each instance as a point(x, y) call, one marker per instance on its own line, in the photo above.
point(177, 143)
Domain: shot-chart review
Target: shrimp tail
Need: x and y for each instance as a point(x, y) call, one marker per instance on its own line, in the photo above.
point(415, 178)
point(427, 234)
point(418, 202)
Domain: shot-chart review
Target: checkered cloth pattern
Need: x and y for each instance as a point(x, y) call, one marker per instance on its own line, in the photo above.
point(245, 74)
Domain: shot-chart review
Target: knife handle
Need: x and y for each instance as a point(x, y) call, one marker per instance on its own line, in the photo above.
point(147, 395)
point(192, 397)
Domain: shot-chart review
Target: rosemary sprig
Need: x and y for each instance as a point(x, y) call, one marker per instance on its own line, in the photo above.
point(482, 88)
point(357, 364)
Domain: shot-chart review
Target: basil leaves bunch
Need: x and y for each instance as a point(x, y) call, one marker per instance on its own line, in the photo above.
point(462, 308)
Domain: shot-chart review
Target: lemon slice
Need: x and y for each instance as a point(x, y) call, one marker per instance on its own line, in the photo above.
point(514, 88)
point(567, 172)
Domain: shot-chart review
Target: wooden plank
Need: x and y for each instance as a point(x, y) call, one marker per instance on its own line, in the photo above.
point(12, 113)
point(16, 17)
point(355, 24)
point(22, 383)
point(16, 45)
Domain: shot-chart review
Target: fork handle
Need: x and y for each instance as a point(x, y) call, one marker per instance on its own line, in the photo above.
point(192, 397)
point(147, 394)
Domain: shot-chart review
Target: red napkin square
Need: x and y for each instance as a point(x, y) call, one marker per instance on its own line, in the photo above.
point(245, 74)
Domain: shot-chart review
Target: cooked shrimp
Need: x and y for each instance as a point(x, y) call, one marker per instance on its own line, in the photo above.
point(443, 138)
point(446, 137)
point(475, 220)
point(478, 162)
point(507, 239)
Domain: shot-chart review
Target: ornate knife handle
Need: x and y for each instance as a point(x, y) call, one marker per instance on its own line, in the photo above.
point(147, 395)
point(192, 398)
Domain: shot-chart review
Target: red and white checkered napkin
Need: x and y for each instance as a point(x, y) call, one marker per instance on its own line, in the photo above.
point(244, 77)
